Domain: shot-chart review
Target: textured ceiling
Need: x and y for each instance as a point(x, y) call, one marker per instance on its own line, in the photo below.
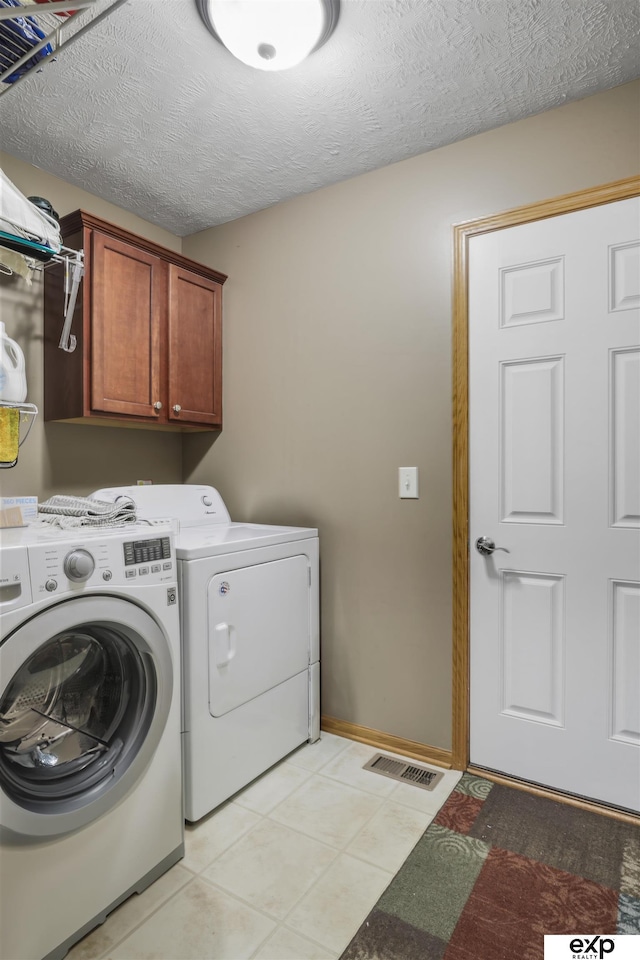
point(148, 111)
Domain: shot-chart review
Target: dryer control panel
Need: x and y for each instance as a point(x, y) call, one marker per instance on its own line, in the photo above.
point(191, 504)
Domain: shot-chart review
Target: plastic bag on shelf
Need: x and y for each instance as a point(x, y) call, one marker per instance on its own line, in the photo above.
point(58, 13)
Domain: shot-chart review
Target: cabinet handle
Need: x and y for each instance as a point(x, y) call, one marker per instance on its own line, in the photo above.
point(157, 405)
point(177, 408)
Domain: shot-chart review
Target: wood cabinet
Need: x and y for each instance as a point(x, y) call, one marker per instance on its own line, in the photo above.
point(148, 324)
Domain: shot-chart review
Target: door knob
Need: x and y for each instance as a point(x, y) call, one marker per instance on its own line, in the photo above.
point(177, 408)
point(157, 405)
point(486, 546)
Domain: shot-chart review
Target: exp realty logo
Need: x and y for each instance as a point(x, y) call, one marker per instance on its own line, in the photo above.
point(584, 949)
point(591, 946)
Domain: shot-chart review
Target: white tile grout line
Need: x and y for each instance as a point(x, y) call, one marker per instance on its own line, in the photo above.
point(152, 913)
point(303, 936)
point(281, 922)
point(344, 850)
point(338, 852)
point(235, 799)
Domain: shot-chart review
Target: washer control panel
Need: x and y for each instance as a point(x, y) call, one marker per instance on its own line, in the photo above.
point(144, 551)
point(125, 559)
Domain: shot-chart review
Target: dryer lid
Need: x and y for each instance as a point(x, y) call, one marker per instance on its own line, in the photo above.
point(192, 505)
point(205, 527)
point(198, 543)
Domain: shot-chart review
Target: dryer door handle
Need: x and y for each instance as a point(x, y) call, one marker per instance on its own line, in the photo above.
point(224, 644)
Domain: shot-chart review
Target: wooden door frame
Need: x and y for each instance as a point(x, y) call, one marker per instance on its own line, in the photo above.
point(462, 233)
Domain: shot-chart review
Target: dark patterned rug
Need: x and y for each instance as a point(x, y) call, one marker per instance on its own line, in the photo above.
point(496, 870)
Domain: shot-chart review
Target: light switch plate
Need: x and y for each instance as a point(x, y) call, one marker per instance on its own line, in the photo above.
point(408, 483)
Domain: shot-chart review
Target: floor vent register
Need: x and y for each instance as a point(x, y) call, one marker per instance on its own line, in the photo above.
point(405, 772)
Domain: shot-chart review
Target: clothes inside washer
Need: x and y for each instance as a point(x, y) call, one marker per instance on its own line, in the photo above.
point(47, 715)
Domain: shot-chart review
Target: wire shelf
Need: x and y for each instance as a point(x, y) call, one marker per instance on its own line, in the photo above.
point(32, 238)
point(34, 32)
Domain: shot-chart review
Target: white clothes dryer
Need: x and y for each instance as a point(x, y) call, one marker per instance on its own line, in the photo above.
point(250, 639)
point(90, 732)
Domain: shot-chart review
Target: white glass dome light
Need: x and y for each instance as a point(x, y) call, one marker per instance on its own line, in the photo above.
point(270, 34)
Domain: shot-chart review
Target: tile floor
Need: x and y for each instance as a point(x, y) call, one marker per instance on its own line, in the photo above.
point(287, 870)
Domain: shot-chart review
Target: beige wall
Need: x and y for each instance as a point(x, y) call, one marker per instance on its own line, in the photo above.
point(337, 328)
point(337, 371)
point(66, 457)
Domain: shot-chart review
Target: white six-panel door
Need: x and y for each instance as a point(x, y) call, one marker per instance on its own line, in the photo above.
point(554, 407)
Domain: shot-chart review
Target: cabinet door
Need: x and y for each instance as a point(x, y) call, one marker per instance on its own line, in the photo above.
point(195, 348)
point(127, 322)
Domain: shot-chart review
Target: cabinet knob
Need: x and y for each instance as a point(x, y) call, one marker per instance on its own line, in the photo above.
point(177, 408)
point(157, 405)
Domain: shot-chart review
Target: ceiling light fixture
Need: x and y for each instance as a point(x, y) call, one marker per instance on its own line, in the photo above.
point(270, 34)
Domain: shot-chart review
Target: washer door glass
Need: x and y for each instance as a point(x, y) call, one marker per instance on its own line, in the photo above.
point(73, 716)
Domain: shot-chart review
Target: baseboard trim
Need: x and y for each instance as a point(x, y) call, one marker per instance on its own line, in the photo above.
point(550, 794)
point(387, 741)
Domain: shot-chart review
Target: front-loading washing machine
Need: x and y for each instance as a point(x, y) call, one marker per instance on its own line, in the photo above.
point(90, 728)
point(250, 639)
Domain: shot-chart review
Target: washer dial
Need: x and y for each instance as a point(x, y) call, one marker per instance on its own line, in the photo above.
point(79, 565)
